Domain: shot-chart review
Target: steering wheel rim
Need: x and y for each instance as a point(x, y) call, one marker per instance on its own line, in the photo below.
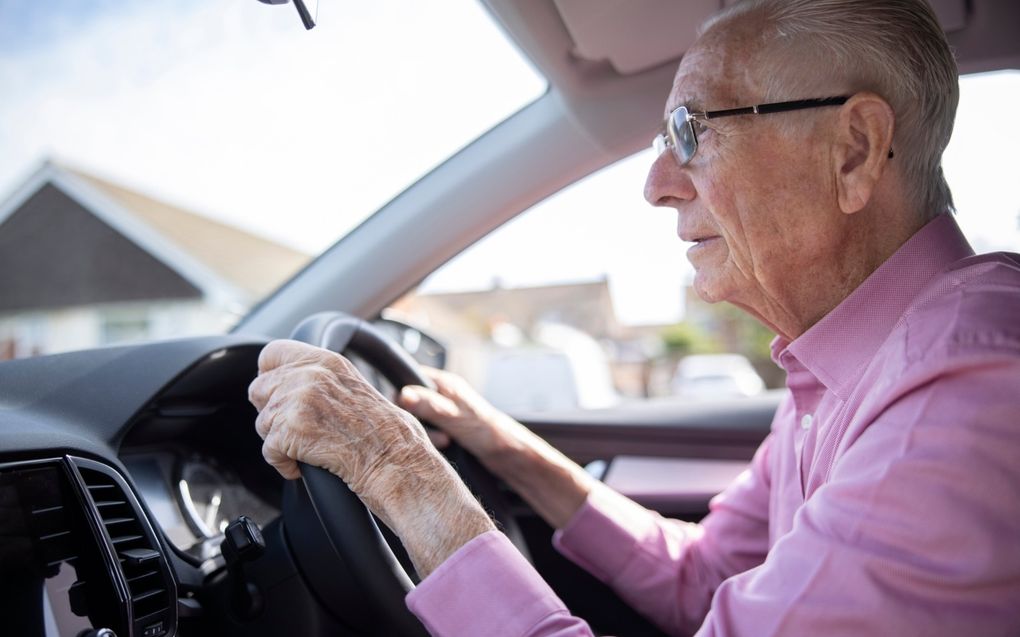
point(348, 524)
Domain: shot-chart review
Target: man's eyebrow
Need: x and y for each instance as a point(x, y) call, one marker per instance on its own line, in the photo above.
point(693, 105)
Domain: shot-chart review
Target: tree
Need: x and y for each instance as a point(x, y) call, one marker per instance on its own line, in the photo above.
point(682, 339)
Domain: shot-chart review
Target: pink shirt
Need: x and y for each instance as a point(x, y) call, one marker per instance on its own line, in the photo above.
point(885, 500)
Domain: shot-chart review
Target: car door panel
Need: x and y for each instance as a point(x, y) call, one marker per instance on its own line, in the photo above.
point(671, 484)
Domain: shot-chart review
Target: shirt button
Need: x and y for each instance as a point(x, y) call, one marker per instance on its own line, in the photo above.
point(805, 421)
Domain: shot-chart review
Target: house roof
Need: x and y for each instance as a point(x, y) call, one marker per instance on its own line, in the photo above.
point(587, 306)
point(227, 264)
point(55, 254)
point(255, 264)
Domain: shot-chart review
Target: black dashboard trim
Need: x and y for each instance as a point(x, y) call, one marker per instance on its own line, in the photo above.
point(87, 400)
point(153, 538)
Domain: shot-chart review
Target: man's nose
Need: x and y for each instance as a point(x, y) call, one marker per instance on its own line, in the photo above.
point(668, 183)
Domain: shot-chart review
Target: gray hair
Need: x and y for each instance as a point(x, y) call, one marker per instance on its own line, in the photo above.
point(894, 48)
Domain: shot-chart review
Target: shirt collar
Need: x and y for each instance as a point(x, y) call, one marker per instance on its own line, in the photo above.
point(836, 348)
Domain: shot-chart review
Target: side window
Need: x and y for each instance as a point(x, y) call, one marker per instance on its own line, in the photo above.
point(584, 301)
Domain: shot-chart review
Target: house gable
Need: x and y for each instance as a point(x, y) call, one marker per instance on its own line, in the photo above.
point(56, 253)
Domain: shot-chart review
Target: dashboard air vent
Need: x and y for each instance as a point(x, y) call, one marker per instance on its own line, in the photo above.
point(55, 536)
point(141, 558)
point(48, 553)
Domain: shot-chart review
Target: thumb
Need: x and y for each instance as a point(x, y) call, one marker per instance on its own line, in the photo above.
point(427, 404)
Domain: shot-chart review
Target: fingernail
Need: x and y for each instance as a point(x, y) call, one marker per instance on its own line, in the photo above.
point(408, 396)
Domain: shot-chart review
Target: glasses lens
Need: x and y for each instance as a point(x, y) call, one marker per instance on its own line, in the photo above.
point(681, 135)
point(659, 144)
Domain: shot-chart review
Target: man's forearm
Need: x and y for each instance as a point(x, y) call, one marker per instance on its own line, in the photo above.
point(551, 483)
point(433, 513)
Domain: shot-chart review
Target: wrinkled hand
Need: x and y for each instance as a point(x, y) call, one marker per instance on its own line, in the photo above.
point(550, 482)
point(315, 407)
point(460, 412)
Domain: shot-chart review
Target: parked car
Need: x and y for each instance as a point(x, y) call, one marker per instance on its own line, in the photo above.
point(125, 471)
point(716, 376)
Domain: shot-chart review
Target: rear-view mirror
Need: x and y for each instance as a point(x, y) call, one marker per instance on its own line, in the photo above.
point(308, 10)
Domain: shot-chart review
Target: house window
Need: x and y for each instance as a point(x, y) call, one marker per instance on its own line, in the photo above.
point(124, 325)
point(23, 336)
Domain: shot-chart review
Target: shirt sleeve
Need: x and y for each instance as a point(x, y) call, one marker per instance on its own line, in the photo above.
point(488, 588)
point(915, 532)
point(666, 569)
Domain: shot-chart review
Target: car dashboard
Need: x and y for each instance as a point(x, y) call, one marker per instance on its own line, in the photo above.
point(120, 469)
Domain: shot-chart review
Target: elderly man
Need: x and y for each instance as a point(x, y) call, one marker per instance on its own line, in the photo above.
point(884, 501)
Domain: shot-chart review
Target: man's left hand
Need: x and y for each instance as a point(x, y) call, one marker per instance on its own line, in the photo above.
point(315, 407)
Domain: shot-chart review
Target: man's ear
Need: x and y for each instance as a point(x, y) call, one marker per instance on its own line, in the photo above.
point(863, 146)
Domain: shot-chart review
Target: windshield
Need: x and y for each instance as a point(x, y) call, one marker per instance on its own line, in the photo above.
point(169, 163)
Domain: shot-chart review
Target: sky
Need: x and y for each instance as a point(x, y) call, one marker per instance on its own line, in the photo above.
point(231, 109)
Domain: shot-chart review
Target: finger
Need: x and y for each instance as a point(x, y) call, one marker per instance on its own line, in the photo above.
point(441, 378)
point(282, 352)
point(286, 466)
point(427, 404)
point(260, 390)
point(439, 439)
point(346, 364)
point(448, 384)
point(264, 423)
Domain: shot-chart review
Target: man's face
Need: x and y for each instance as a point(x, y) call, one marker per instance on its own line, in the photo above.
point(756, 198)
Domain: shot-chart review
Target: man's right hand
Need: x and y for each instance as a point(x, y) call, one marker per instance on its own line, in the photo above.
point(549, 481)
point(461, 414)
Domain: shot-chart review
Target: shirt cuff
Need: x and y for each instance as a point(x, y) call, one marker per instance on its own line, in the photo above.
point(604, 533)
point(485, 588)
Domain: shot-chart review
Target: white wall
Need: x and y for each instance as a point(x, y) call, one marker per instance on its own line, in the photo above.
point(82, 327)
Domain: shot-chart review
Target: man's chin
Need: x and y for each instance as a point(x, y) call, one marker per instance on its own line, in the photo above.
point(708, 288)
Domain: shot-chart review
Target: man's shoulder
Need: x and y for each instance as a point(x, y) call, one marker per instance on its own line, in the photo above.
point(985, 269)
point(971, 307)
point(959, 338)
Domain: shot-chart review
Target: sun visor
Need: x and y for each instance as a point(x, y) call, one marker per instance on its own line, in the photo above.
point(633, 35)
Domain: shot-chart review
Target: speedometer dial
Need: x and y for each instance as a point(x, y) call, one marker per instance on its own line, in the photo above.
point(210, 497)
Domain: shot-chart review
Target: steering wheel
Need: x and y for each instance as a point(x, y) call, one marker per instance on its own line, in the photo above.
point(350, 527)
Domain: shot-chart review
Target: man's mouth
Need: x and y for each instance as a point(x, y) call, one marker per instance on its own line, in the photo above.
point(697, 239)
point(702, 244)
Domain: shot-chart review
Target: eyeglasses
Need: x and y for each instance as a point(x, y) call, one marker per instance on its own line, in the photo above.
point(681, 135)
